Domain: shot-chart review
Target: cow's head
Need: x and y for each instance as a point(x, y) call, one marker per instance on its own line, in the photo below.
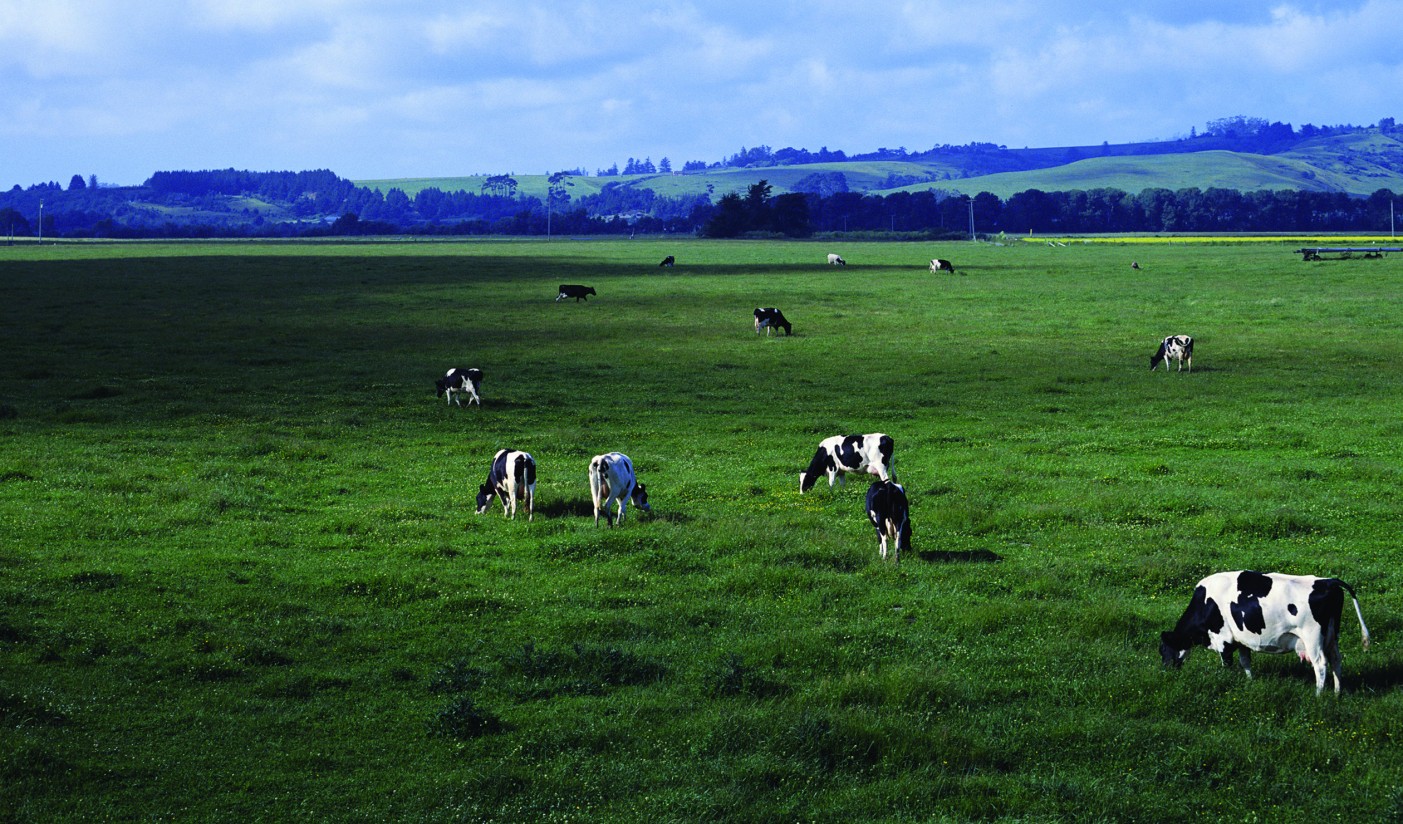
point(640, 498)
point(1158, 356)
point(1173, 650)
point(441, 386)
point(485, 494)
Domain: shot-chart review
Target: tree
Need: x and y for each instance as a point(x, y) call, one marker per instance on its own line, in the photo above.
point(729, 219)
point(665, 166)
point(789, 215)
point(501, 185)
point(77, 184)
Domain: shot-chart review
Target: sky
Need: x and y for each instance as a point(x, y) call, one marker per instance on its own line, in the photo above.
point(375, 89)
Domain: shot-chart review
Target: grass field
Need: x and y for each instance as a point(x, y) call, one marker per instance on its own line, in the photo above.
point(241, 577)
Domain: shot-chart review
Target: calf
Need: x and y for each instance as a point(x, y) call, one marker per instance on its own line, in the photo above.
point(512, 478)
point(579, 293)
point(1178, 347)
point(1248, 611)
point(834, 260)
point(458, 381)
point(840, 454)
point(668, 261)
point(889, 512)
point(769, 319)
point(611, 479)
point(938, 265)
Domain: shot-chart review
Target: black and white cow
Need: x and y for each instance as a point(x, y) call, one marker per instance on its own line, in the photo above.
point(1176, 347)
point(511, 479)
point(579, 293)
point(770, 319)
point(668, 261)
point(834, 260)
point(459, 381)
point(840, 454)
point(611, 479)
point(890, 513)
point(1247, 611)
point(937, 265)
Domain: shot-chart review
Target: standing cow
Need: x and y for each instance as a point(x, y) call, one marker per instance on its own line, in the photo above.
point(579, 293)
point(890, 513)
point(1246, 611)
point(937, 265)
point(840, 454)
point(1176, 347)
point(458, 381)
point(511, 479)
point(611, 479)
point(834, 260)
point(770, 319)
point(668, 261)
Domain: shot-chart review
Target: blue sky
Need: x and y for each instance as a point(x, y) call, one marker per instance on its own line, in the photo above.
point(394, 88)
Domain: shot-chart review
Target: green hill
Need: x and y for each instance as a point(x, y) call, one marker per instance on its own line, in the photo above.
point(1357, 163)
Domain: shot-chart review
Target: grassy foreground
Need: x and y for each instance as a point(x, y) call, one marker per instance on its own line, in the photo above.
point(241, 579)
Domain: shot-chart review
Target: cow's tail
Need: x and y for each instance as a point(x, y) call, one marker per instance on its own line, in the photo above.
point(598, 479)
point(1358, 613)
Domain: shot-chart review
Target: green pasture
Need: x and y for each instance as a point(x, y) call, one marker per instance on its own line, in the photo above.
point(241, 577)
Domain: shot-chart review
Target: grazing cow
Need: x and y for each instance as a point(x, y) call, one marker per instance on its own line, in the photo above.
point(937, 265)
point(834, 260)
point(889, 512)
point(1248, 611)
point(668, 261)
point(770, 319)
point(511, 479)
point(458, 381)
point(579, 293)
point(1178, 347)
point(871, 454)
point(611, 479)
point(1134, 264)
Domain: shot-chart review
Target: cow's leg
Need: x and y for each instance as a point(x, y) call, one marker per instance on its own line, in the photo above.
point(531, 503)
point(1244, 657)
point(882, 543)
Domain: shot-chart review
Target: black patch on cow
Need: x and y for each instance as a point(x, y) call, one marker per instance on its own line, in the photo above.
point(886, 446)
point(1254, 584)
point(848, 451)
point(1291, 608)
point(1326, 602)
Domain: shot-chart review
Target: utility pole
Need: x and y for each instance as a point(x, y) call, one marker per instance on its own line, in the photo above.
point(971, 218)
point(41, 221)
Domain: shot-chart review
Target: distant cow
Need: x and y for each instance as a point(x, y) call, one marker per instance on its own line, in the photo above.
point(458, 381)
point(1134, 264)
point(579, 293)
point(1247, 611)
point(889, 512)
point(511, 479)
point(769, 319)
point(938, 265)
point(840, 454)
point(1176, 347)
point(668, 261)
point(834, 260)
point(611, 479)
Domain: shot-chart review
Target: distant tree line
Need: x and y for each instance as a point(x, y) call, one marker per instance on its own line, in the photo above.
point(229, 203)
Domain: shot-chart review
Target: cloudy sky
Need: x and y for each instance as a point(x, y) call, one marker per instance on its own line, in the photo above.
point(403, 88)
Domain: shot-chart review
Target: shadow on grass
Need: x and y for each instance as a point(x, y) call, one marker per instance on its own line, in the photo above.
point(1366, 678)
point(973, 556)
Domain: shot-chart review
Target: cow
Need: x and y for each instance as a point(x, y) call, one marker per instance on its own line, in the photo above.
point(511, 479)
point(1134, 264)
point(937, 265)
point(770, 319)
point(871, 454)
point(890, 513)
point(668, 261)
point(611, 478)
point(834, 260)
point(1246, 611)
point(1178, 347)
point(579, 293)
point(458, 381)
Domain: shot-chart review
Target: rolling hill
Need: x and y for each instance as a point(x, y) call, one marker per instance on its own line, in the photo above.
point(1357, 163)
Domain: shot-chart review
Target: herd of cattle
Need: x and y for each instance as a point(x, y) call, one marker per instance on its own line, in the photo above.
point(1241, 611)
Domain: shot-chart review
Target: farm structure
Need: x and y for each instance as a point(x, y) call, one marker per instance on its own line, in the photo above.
point(1345, 252)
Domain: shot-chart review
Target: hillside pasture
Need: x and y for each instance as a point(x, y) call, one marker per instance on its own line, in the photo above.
point(241, 578)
